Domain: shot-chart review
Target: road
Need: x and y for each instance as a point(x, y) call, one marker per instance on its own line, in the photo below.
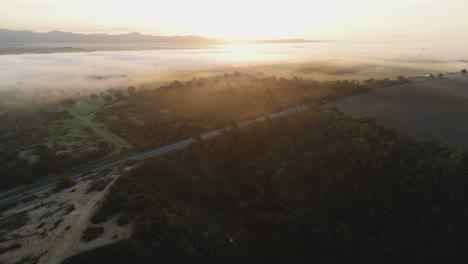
point(170, 148)
point(153, 153)
point(207, 136)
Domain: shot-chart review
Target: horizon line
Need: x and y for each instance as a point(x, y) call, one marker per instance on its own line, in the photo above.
point(169, 36)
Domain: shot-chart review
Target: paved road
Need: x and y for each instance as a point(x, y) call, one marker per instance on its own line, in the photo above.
point(170, 148)
point(174, 147)
point(153, 153)
point(207, 136)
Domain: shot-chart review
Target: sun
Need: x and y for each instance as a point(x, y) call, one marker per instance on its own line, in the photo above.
point(231, 20)
point(241, 20)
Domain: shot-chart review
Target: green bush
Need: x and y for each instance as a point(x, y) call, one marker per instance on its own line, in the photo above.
point(92, 233)
point(65, 183)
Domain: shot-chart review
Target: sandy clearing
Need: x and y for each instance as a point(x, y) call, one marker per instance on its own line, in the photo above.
point(56, 223)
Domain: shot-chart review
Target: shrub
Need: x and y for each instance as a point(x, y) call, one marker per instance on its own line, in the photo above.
point(70, 209)
point(65, 183)
point(14, 222)
point(92, 233)
point(5, 249)
point(123, 220)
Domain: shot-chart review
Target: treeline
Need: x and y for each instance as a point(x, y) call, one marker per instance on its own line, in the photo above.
point(311, 187)
point(179, 110)
point(25, 152)
point(44, 160)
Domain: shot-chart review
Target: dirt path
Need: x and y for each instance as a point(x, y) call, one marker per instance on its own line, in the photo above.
point(118, 146)
point(73, 235)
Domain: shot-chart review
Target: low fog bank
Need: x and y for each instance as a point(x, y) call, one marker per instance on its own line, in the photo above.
point(51, 48)
point(38, 79)
point(43, 78)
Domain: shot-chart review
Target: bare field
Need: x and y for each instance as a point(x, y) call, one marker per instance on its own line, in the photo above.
point(434, 109)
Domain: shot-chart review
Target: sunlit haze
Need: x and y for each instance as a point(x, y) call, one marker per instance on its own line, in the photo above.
point(245, 19)
point(246, 131)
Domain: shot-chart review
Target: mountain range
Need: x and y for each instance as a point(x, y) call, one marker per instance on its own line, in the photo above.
point(31, 37)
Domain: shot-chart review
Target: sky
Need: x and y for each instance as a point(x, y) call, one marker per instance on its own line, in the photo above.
point(245, 19)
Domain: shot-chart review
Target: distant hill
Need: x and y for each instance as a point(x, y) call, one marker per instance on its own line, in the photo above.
point(278, 41)
point(31, 37)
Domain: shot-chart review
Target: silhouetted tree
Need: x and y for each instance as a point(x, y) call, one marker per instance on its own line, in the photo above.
point(403, 79)
point(131, 90)
point(118, 94)
point(108, 99)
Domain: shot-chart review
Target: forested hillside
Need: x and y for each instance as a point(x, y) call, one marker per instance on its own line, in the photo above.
point(311, 187)
point(176, 111)
point(46, 141)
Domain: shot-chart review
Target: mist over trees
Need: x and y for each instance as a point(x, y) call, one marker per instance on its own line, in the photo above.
point(178, 110)
point(154, 117)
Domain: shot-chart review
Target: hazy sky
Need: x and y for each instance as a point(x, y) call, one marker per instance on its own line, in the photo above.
point(246, 19)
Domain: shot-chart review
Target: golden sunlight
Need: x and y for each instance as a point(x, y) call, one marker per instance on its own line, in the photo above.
point(252, 21)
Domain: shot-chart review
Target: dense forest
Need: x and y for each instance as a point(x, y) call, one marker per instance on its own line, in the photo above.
point(34, 140)
point(179, 110)
point(26, 156)
point(313, 186)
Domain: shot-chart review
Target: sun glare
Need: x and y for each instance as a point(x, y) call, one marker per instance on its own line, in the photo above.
point(219, 19)
point(242, 19)
point(256, 20)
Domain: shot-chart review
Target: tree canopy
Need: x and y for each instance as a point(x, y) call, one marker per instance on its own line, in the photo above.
point(316, 186)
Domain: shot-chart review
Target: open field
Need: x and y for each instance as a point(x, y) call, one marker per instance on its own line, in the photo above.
point(81, 129)
point(435, 109)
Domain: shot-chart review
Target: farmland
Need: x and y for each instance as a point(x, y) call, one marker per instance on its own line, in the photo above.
point(434, 110)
